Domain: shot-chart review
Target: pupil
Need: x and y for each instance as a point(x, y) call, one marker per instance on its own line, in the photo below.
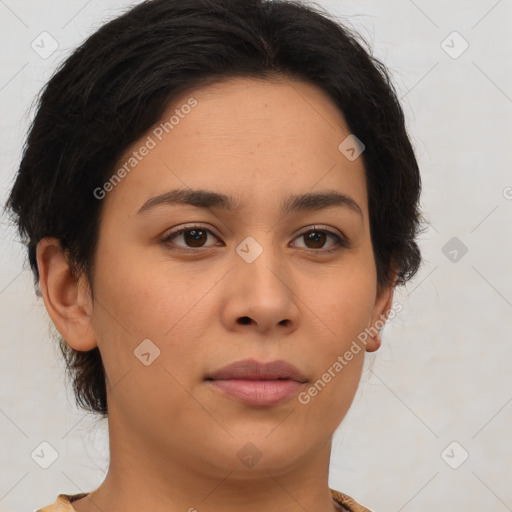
point(195, 234)
point(314, 236)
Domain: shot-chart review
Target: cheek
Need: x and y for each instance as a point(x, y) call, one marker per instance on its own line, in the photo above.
point(136, 300)
point(346, 303)
point(140, 297)
point(345, 309)
point(139, 319)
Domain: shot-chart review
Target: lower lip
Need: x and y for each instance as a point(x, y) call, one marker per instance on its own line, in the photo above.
point(258, 392)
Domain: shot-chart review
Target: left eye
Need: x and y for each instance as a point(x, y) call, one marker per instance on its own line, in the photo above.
point(196, 236)
point(318, 237)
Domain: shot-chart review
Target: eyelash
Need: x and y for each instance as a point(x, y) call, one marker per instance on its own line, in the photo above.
point(341, 243)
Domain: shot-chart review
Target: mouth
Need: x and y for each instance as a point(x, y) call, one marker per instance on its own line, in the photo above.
point(257, 384)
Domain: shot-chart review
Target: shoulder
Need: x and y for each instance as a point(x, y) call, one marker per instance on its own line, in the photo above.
point(62, 503)
point(349, 503)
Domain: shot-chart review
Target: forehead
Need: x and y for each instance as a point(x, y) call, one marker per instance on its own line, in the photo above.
point(247, 138)
point(260, 114)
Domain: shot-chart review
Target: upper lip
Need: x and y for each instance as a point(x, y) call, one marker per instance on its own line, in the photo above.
point(253, 370)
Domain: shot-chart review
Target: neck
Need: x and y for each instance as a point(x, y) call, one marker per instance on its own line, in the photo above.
point(142, 476)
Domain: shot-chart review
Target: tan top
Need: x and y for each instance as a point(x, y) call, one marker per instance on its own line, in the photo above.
point(63, 502)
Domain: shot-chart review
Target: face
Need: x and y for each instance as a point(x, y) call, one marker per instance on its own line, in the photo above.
point(253, 282)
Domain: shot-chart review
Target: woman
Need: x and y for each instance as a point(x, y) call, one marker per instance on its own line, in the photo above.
point(218, 199)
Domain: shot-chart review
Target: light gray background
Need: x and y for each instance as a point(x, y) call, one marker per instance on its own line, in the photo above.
point(443, 373)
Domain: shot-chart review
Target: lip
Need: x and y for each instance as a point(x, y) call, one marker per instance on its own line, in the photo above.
point(254, 370)
point(258, 384)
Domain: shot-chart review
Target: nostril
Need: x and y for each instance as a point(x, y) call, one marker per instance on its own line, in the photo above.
point(245, 320)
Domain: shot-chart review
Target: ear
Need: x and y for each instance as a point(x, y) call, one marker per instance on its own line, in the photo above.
point(67, 298)
point(381, 310)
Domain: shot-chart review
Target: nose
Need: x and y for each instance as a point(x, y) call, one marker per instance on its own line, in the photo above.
point(261, 290)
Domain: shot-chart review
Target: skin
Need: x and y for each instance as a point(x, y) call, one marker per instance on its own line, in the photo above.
point(173, 439)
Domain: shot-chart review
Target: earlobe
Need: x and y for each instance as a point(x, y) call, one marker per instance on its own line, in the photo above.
point(380, 314)
point(67, 298)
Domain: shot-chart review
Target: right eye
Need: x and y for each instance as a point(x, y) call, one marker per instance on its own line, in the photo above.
point(194, 235)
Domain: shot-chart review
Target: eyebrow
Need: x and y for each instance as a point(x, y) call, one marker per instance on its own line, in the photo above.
point(293, 203)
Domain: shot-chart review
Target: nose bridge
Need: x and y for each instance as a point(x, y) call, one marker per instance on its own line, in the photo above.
point(261, 264)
